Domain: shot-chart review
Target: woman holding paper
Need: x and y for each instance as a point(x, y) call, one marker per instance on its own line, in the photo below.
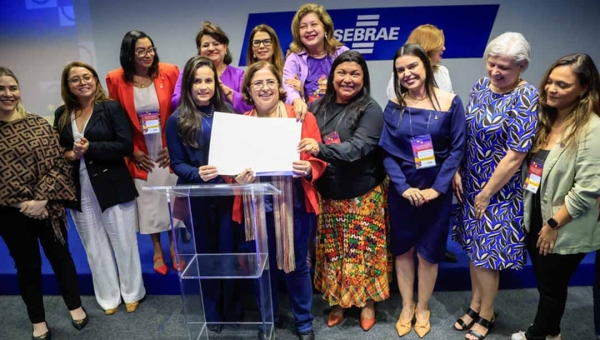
point(188, 134)
point(563, 183)
point(144, 87)
point(352, 267)
point(213, 43)
point(294, 207)
point(423, 141)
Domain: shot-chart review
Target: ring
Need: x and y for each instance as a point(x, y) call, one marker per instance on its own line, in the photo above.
point(305, 172)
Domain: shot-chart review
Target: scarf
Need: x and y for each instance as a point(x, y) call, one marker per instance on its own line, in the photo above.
point(283, 211)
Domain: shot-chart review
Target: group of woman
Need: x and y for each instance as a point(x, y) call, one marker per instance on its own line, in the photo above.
point(378, 183)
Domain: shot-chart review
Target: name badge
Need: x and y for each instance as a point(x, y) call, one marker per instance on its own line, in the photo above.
point(423, 151)
point(149, 122)
point(534, 176)
point(332, 138)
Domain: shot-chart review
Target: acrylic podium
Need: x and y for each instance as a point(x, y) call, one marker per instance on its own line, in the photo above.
point(197, 268)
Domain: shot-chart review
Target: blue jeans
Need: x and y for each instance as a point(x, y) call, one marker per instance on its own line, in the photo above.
point(298, 282)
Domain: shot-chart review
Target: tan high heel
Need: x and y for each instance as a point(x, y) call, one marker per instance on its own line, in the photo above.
point(405, 327)
point(422, 328)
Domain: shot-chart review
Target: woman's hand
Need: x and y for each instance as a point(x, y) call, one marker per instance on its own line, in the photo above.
point(296, 84)
point(35, 209)
point(81, 147)
point(163, 159)
point(430, 194)
point(227, 91)
point(246, 176)
point(300, 108)
point(546, 240)
point(71, 156)
point(414, 196)
point(482, 201)
point(302, 168)
point(208, 172)
point(142, 161)
point(309, 145)
point(457, 186)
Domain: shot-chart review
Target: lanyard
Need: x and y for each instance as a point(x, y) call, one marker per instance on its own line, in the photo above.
point(410, 122)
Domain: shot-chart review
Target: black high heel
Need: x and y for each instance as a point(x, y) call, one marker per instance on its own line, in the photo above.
point(489, 324)
point(80, 324)
point(46, 336)
point(472, 314)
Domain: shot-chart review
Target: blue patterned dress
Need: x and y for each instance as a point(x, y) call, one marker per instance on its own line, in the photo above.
point(495, 124)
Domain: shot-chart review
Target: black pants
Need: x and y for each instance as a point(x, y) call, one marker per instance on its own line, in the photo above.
point(553, 273)
point(21, 235)
point(597, 295)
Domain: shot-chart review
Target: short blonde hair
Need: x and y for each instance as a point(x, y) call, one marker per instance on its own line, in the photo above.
point(512, 45)
point(331, 44)
point(429, 37)
point(6, 72)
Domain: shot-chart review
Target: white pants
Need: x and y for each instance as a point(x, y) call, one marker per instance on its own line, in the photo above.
point(104, 234)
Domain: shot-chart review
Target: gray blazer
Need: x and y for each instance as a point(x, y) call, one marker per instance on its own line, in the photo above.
point(572, 177)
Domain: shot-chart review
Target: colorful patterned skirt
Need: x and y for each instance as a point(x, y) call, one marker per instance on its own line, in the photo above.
point(353, 264)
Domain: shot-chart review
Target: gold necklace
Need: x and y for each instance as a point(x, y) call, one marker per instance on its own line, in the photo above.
point(416, 99)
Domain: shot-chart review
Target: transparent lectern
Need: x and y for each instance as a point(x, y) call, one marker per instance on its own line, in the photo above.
point(196, 268)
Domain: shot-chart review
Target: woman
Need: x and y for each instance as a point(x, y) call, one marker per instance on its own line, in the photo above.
point(561, 210)
point(313, 50)
point(144, 87)
point(353, 193)
point(213, 43)
point(263, 45)
point(432, 40)
point(96, 136)
point(501, 123)
point(423, 139)
point(35, 182)
point(262, 87)
point(188, 139)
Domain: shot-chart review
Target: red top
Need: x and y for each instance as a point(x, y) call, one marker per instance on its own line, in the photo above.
point(310, 129)
point(122, 91)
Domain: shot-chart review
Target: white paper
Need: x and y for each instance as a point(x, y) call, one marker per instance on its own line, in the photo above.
point(267, 145)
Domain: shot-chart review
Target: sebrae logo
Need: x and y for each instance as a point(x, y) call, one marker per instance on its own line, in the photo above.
point(362, 38)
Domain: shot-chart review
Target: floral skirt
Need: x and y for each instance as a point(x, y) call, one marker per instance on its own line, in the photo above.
point(353, 264)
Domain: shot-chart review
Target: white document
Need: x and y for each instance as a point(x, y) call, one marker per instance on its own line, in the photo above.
point(267, 145)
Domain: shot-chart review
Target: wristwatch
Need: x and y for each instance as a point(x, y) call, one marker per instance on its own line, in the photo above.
point(553, 224)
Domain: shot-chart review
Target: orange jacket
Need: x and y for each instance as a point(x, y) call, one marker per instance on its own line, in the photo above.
point(122, 91)
point(310, 129)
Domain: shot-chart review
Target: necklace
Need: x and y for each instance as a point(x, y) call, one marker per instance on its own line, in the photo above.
point(416, 99)
point(141, 81)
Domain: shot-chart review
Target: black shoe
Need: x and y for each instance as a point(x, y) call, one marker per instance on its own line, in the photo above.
point(450, 257)
point(215, 328)
point(79, 324)
point(307, 336)
point(47, 336)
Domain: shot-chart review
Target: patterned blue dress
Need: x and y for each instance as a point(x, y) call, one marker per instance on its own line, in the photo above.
point(495, 124)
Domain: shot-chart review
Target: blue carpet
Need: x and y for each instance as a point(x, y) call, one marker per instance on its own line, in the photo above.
point(452, 276)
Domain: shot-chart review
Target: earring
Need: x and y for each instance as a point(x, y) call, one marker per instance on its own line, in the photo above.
point(325, 36)
point(254, 56)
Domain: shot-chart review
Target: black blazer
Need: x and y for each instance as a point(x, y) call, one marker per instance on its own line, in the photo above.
point(109, 134)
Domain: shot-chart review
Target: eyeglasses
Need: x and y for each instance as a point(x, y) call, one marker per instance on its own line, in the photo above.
point(86, 78)
point(259, 84)
point(266, 42)
point(142, 53)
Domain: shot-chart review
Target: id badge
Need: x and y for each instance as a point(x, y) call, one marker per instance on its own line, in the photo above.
point(534, 176)
point(149, 122)
point(332, 138)
point(423, 151)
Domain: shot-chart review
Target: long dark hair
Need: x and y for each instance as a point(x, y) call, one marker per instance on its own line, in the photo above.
point(277, 58)
point(587, 75)
point(127, 56)
point(417, 51)
point(190, 121)
point(360, 101)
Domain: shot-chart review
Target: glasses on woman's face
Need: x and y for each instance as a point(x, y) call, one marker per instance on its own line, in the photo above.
point(260, 84)
point(142, 52)
point(266, 42)
point(86, 78)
